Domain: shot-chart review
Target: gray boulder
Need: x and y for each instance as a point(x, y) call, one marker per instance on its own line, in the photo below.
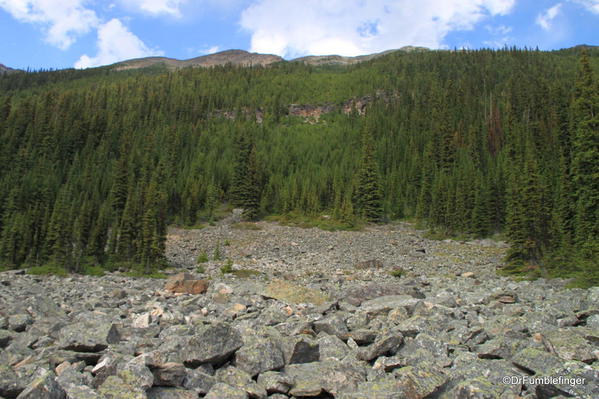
point(44, 386)
point(211, 344)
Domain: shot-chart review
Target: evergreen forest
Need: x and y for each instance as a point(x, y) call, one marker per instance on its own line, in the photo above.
point(96, 164)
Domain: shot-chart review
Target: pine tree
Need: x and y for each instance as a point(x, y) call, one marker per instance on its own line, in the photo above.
point(368, 193)
point(242, 148)
point(153, 226)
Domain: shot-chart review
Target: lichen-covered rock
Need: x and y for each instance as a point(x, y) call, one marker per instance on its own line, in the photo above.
point(211, 344)
point(170, 393)
point(117, 388)
point(535, 361)
point(425, 348)
point(169, 375)
point(332, 376)
point(332, 325)
point(136, 373)
point(263, 354)
point(275, 382)
point(479, 388)
point(240, 379)
point(198, 381)
point(88, 336)
point(44, 385)
point(19, 322)
point(382, 305)
point(5, 338)
point(568, 344)
point(331, 347)
point(11, 384)
point(221, 391)
point(387, 343)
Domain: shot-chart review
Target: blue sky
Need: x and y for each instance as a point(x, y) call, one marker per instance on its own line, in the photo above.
point(85, 33)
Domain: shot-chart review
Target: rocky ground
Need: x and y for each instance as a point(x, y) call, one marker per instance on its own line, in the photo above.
point(305, 314)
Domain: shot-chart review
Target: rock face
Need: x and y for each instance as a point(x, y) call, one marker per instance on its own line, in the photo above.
point(305, 323)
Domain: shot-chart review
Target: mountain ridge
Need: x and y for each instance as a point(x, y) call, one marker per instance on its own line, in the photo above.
point(4, 69)
point(245, 58)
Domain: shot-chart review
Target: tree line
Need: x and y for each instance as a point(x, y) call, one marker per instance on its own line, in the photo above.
point(94, 166)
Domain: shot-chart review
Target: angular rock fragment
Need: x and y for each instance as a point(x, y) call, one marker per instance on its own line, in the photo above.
point(211, 344)
point(263, 354)
point(185, 283)
point(88, 336)
point(221, 391)
point(170, 375)
point(44, 386)
point(275, 382)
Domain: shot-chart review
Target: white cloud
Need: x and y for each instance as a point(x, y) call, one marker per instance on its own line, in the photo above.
point(63, 20)
point(591, 5)
point(157, 7)
point(545, 19)
point(115, 43)
point(352, 27)
point(211, 50)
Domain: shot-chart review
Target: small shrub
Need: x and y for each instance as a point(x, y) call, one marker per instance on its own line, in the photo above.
point(227, 243)
point(49, 268)
point(203, 257)
point(227, 267)
point(200, 269)
point(92, 270)
point(397, 272)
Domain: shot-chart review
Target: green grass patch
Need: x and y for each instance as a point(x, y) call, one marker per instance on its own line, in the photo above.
point(291, 293)
point(197, 226)
point(245, 273)
point(48, 269)
point(6, 267)
point(202, 257)
point(323, 222)
point(92, 270)
point(397, 272)
point(200, 269)
point(227, 267)
point(246, 226)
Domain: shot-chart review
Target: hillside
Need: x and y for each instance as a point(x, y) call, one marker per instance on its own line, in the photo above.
point(289, 312)
point(95, 164)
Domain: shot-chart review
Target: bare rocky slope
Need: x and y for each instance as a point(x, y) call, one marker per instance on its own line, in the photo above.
point(244, 58)
point(305, 314)
point(4, 69)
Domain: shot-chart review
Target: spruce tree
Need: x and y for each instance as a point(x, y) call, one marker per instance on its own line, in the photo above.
point(251, 200)
point(368, 193)
point(242, 147)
